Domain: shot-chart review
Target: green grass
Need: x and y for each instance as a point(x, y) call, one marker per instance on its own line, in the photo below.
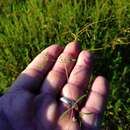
point(101, 26)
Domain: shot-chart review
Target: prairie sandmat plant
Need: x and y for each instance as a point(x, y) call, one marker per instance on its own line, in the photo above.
point(101, 26)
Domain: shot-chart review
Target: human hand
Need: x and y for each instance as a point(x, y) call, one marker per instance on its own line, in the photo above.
point(33, 101)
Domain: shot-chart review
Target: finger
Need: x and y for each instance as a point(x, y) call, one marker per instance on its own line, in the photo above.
point(79, 77)
point(95, 103)
point(54, 81)
point(57, 76)
point(76, 84)
point(35, 72)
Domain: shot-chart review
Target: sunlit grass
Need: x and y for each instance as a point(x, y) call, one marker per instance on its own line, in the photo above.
point(101, 26)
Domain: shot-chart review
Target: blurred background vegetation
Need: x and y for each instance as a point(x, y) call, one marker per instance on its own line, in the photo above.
point(101, 26)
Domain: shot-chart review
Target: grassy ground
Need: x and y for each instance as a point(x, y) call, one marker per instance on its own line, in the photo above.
point(101, 26)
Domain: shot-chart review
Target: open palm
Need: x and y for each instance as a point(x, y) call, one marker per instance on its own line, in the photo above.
point(33, 101)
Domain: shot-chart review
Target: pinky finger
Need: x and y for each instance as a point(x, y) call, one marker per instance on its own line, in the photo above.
point(95, 104)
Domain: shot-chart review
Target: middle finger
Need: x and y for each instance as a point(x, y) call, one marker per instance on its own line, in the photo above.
point(73, 90)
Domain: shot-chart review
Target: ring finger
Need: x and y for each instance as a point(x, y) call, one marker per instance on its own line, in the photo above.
point(77, 82)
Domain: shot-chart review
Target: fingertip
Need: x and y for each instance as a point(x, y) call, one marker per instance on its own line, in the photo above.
point(73, 46)
point(85, 58)
point(101, 85)
point(74, 42)
point(86, 54)
point(54, 49)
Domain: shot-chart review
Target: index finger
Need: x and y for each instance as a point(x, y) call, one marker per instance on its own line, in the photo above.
point(33, 75)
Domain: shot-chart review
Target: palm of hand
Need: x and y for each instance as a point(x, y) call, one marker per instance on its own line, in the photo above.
point(32, 102)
